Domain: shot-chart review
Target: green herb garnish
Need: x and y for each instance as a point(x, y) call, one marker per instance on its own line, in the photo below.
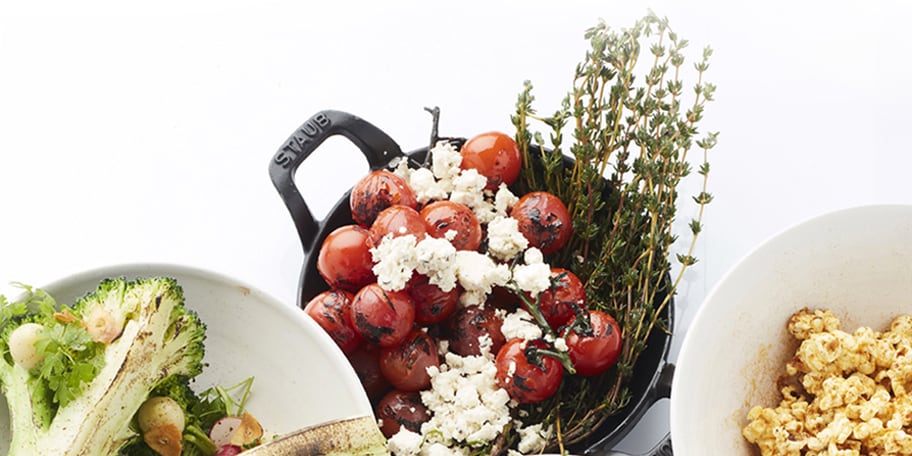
point(71, 358)
point(633, 129)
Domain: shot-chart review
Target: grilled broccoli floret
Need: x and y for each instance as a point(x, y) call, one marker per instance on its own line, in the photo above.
point(74, 377)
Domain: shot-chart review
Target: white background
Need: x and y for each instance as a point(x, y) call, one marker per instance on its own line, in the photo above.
point(137, 134)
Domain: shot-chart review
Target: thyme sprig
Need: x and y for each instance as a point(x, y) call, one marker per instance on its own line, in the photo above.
point(633, 131)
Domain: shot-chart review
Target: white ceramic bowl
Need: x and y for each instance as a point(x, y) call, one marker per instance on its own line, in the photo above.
point(856, 262)
point(301, 377)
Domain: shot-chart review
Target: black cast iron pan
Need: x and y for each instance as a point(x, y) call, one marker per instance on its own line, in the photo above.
point(652, 374)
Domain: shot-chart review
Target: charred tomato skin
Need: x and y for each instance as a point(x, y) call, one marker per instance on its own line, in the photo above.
point(495, 156)
point(332, 311)
point(405, 365)
point(398, 409)
point(432, 304)
point(377, 191)
point(543, 220)
point(468, 324)
point(344, 260)
point(524, 380)
point(567, 296)
point(595, 353)
point(382, 317)
point(442, 216)
point(366, 362)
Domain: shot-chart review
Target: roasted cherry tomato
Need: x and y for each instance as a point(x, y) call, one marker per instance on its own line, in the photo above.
point(503, 298)
point(595, 353)
point(495, 156)
point(543, 220)
point(366, 362)
point(382, 317)
point(332, 311)
point(398, 220)
point(400, 409)
point(345, 260)
point(566, 296)
point(376, 192)
point(527, 376)
point(441, 217)
point(469, 324)
point(405, 365)
point(432, 305)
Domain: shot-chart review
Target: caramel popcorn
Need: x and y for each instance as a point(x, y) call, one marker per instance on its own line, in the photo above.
point(845, 394)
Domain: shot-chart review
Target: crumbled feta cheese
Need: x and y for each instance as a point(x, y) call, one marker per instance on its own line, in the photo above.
point(443, 347)
point(491, 205)
point(468, 188)
point(439, 449)
point(478, 272)
point(394, 261)
point(445, 161)
point(504, 200)
point(485, 343)
point(472, 298)
point(470, 180)
point(435, 183)
point(520, 325)
point(465, 402)
point(436, 258)
point(401, 169)
point(405, 443)
point(533, 438)
point(484, 211)
point(534, 278)
point(450, 235)
point(533, 256)
point(561, 344)
point(504, 239)
point(426, 187)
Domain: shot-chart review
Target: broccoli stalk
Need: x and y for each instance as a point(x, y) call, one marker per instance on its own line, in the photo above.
point(67, 405)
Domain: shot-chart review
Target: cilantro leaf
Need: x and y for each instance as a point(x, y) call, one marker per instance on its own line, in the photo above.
point(71, 359)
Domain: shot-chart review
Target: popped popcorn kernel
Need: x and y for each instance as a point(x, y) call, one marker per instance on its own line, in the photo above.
point(845, 394)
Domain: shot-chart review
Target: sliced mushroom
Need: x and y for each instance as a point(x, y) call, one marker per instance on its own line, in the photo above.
point(248, 432)
point(164, 440)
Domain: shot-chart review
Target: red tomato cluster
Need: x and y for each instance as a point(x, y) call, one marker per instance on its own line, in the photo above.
point(392, 337)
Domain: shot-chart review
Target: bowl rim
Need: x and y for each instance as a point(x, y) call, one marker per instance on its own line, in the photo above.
point(287, 311)
point(687, 350)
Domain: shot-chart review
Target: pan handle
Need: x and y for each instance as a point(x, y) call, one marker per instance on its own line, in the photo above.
point(663, 448)
point(662, 391)
point(377, 147)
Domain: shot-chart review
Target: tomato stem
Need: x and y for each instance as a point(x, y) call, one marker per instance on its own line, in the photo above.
point(563, 357)
point(534, 309)
point(435, 133)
